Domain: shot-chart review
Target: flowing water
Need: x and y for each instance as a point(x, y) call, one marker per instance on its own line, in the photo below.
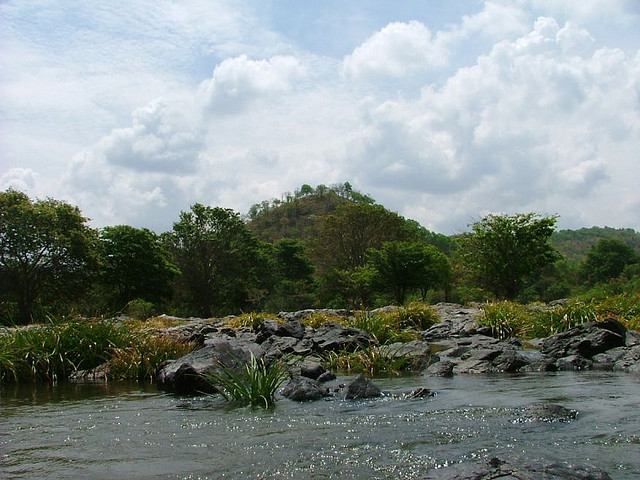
point(131, 431)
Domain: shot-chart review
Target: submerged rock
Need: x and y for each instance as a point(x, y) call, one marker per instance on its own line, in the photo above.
point(518, 470)
point(361, 387)
point(303, 389)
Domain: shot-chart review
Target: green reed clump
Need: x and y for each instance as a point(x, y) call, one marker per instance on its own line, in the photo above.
point(558, 319)
point(373, 361)
point(140, 359)
point(506, 319)
point(253, 384)
point(384, 327)
point(318, 319)
point(51, 352)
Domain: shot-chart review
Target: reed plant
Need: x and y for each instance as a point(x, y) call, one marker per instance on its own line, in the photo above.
point(255, 383)
point(505, 319)
point(372, 361)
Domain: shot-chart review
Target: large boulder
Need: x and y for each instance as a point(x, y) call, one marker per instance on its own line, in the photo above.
point(362, 387)
point(186, 375)
point(586, 340)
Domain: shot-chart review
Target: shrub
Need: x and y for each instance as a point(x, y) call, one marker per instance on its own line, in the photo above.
point(255, 384)
point(140, 309)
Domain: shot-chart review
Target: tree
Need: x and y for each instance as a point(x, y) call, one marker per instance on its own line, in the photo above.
point(354, 228)
point(219, 259)
point(606, 260)
point(503, 251)
point(406, 266)
point(47, 254)
point(135, 264)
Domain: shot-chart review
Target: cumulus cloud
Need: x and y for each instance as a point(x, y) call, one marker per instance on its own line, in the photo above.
point(157, 140)
point(22, 179)
point(394, 51)
point(236, 82)
point(530, 118)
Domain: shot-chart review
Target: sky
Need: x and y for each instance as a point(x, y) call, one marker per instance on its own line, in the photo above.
point(442, 111)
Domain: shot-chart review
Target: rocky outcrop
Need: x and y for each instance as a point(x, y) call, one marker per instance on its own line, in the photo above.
point(520, 470)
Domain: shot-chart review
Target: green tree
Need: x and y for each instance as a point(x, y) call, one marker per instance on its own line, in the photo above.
point(347, 234)
point(47, 254)
point(292, 273)
point(407, 266)
point(606, 260)
point(219, 258)
point(135, 264)
point(503, 252)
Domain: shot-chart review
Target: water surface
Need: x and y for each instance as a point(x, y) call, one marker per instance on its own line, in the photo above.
point(134, 431)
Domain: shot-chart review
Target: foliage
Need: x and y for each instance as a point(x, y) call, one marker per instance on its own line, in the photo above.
point(373, 361)
point(140, 359)
point(574, 244)
point(47, 253)
point(140, 309)
point(383, 327)
point(347, 234)
point(406, 266)
point(52, 352)
point(255, 384)
point(606, 260)
point(506, 319)
point(249, 320)
point(505, 251)
point(219, 259)
point(134, 265)
point(319, 318)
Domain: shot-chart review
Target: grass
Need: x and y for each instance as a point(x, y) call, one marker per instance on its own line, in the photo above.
point(51, 352)
point(254, 384)
point(372, 361)
point(510, 319)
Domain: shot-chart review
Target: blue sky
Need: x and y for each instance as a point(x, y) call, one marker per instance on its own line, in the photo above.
point(443, 111)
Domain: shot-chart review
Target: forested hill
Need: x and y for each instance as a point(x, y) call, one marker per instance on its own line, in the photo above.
point(573, 244)
point(296, 215)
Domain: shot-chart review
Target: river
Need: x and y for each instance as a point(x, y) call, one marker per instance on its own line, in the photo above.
point(132, 431)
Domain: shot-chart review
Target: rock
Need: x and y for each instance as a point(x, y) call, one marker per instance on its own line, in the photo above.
point(302, 314)
point(291, 328)
point(421, 392)
point(303, 389)
point(361, 387)
point(547, 412)
point(311, 369)
point(185, 375)
point(456, 321)
point(94, 375)
point(335, 337)
point(443, 368)
point(629, 361)
point(586, 340)
point(517, 469)
point(573, 362)
point(276, 347)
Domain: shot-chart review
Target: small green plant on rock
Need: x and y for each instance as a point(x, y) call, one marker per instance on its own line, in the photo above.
point(254, 384)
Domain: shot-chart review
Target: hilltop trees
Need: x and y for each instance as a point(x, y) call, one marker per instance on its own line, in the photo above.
point(606, 260)
point(503, 252)
point(47, 254)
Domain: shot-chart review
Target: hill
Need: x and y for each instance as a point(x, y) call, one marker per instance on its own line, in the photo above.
point(574, 244)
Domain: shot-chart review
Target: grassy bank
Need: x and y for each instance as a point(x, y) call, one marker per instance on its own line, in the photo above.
point(51, 352)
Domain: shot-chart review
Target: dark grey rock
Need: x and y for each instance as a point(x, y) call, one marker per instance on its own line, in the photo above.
point(186, 374)
point(303, 389)
point(335, 337)
point(311, 369)
point(361, 387)
point(443, 368)
point(585, 340)
point(573, 362)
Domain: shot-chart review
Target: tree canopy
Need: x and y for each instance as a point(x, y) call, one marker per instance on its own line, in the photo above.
point(504, 251)
point(47, 253)
point(606, 260)
point(219, 259)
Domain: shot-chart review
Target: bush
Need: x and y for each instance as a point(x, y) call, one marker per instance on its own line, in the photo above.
point(140, 309)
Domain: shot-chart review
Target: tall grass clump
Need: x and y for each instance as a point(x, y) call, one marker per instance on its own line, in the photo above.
point(253, 384)
point(372, 361)
point(140, 359)
point(52, 352)
point(560, 318)
point(506, 319)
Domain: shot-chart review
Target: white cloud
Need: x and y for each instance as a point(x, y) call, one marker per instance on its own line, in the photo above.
point(238, 81)
point(22, 179)
point(394, 51)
